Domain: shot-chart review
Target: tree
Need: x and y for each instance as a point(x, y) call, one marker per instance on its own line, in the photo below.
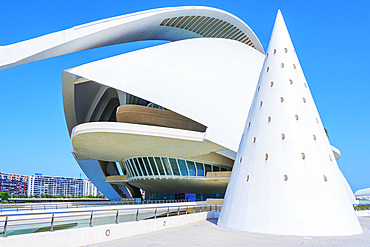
point(4, 196)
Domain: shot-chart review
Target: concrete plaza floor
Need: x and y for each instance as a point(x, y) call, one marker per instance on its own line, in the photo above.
point(207, 233)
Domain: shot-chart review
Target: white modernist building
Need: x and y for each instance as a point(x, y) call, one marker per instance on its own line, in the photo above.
point(363, 194)
point(166, 119)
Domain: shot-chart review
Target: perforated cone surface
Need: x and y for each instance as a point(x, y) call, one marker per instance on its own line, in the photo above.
point(285, 179)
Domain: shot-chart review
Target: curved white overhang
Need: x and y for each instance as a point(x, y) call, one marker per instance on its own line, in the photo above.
point(110, 141)
point(336, 152)
point(211, 81)
point(363, 192)
point(171, 24)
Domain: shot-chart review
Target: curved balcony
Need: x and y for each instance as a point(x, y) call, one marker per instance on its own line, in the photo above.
point(138, 114)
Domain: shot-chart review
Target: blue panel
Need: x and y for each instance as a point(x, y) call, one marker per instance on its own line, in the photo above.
point(94, 172)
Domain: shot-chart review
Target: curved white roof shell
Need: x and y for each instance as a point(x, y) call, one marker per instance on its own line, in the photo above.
point(363, 192)
point(211, 81)
point(172, 24)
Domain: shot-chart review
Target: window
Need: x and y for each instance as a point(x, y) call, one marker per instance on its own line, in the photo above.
point(208, 168)
point(200, 169)
point(152, 164)
point(174, 167)
point(159, 165)
point(191, 166)
point(147, 166)
point(285, 177)
point(136, 166)
point(183, 168)
point(167, 166)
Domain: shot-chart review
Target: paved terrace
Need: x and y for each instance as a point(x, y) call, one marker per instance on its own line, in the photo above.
point(207, 233)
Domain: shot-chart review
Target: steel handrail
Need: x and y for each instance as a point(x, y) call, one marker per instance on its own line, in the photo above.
point(88, 215)
point(44, 206)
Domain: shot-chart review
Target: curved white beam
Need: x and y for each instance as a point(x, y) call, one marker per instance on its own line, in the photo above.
point(170, 24)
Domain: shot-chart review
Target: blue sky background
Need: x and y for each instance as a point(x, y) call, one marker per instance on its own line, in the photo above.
point(331, 39)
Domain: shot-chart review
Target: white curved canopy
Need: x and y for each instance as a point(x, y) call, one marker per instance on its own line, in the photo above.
point(170, 24)
point(198, 78)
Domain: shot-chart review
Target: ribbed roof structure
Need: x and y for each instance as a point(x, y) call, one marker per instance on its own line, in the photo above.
point(285, 179)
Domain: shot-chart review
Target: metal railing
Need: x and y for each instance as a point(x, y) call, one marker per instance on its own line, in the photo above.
point(15, 224)
point(67, 205)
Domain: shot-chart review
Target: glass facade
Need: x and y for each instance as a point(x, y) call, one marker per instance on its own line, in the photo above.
point(164, 167)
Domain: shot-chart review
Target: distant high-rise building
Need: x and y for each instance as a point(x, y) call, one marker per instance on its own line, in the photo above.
point(62, 186)
point(13, 183)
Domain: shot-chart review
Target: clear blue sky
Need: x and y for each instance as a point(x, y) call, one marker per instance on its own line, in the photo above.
point(331, 39)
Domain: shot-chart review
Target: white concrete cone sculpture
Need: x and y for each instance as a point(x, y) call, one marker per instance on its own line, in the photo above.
point(285, 179)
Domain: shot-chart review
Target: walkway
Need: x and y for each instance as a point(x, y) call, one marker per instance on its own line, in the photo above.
point(207, 233)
